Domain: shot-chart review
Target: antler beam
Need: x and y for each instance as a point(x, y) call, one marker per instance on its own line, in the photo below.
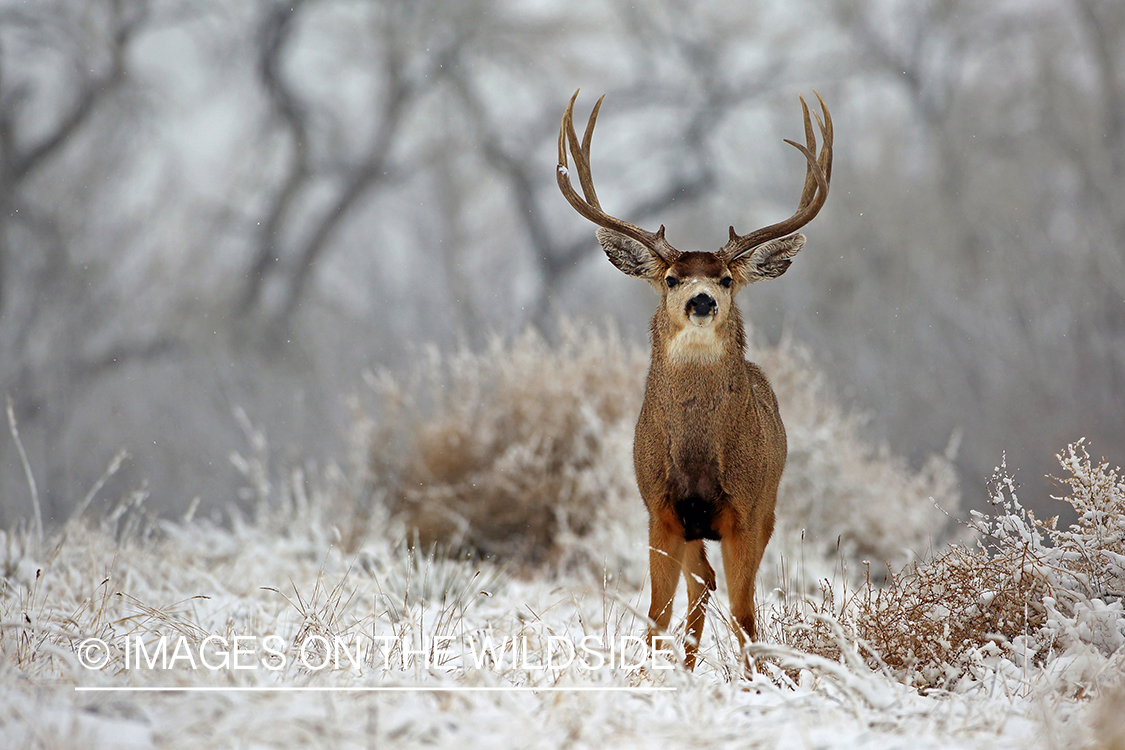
point(590, 207)
point(817, 176)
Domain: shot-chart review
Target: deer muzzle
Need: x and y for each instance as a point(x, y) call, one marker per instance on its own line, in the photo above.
point(701, 308)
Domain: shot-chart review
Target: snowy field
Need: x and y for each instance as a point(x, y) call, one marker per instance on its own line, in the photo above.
point(201, 580)
point(205, 591)
point(310, 618)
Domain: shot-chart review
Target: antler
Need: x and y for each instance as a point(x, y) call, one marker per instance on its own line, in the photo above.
point(590, 207)
point(817, 176)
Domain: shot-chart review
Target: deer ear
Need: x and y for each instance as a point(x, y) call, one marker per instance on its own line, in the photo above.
point(630, 256)
point(768, 260)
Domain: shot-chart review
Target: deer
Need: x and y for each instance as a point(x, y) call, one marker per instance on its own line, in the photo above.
point(709, 447)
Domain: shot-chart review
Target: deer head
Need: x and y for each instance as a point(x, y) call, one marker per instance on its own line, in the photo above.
point(698, 288)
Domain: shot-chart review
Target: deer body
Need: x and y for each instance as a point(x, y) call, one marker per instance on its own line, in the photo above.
point(709, 451)
point(709, 447)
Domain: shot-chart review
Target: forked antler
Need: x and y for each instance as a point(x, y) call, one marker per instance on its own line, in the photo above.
point(591, 208)
point(817, 176)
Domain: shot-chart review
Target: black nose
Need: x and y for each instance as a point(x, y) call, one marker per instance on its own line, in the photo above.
point(701, 305)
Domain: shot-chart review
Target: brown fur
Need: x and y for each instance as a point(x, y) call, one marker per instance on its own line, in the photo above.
point(711, 429)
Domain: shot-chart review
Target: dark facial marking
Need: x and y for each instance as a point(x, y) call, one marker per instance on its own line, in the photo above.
point(703, 265)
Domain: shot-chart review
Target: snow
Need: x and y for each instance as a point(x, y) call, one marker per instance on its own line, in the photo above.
point(285, 575)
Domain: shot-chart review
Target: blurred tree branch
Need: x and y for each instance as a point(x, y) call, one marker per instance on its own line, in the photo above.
point(19, 161)
point(403, 80)
point(977, 212)
point(47, 305)
point(702, 100)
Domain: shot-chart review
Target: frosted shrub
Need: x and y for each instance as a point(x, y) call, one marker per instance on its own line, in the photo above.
point(524, 451)
point(1093, 549)
point(1025, 594)
point(508, 450)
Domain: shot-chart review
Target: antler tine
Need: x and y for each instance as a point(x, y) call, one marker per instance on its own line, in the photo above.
point(590, 208)
point(809, 189)
point(582, 154)
point(813, 195)
point(826, 135)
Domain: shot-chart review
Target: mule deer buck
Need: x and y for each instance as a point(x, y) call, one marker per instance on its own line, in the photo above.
point(709, 447)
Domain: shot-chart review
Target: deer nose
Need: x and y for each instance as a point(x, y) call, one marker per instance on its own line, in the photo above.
point(701, 305)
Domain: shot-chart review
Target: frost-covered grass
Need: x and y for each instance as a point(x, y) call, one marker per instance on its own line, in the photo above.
point(124, 577)
point(284, 573)
point(354, 631)
point(1025, 601)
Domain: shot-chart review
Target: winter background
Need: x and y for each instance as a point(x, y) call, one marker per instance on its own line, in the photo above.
point(299, 339)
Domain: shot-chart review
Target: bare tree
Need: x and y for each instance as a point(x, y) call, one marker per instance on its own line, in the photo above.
point(1002, 298)
point(701, 98)
point(47, 303)
point(292, 237)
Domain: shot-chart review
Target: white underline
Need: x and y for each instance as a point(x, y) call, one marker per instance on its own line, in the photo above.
point(363, 689)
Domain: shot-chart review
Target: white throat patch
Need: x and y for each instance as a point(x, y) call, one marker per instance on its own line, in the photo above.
point(695, 343)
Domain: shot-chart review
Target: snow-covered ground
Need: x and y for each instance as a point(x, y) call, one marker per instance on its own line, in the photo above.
point(281, 589)
point(309, 620)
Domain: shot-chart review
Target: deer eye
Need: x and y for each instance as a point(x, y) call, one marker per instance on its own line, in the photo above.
point(671, 281)
point(725, 282)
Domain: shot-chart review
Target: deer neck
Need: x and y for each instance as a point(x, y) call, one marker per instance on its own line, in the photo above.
point(689, 387)
point(690, 351)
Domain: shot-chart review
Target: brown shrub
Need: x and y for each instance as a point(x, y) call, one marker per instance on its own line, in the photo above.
point(1025, 591)
point(498, 451)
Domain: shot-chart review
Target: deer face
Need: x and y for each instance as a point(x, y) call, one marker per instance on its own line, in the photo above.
point(697, 293)
point(698, 289)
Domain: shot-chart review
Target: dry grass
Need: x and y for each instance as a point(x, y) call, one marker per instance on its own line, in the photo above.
point(1025, 592)
point(505, 451)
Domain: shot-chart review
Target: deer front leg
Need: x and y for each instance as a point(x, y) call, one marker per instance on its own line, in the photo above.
point(742, 554)
point(665, 553)
point(700, 577)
